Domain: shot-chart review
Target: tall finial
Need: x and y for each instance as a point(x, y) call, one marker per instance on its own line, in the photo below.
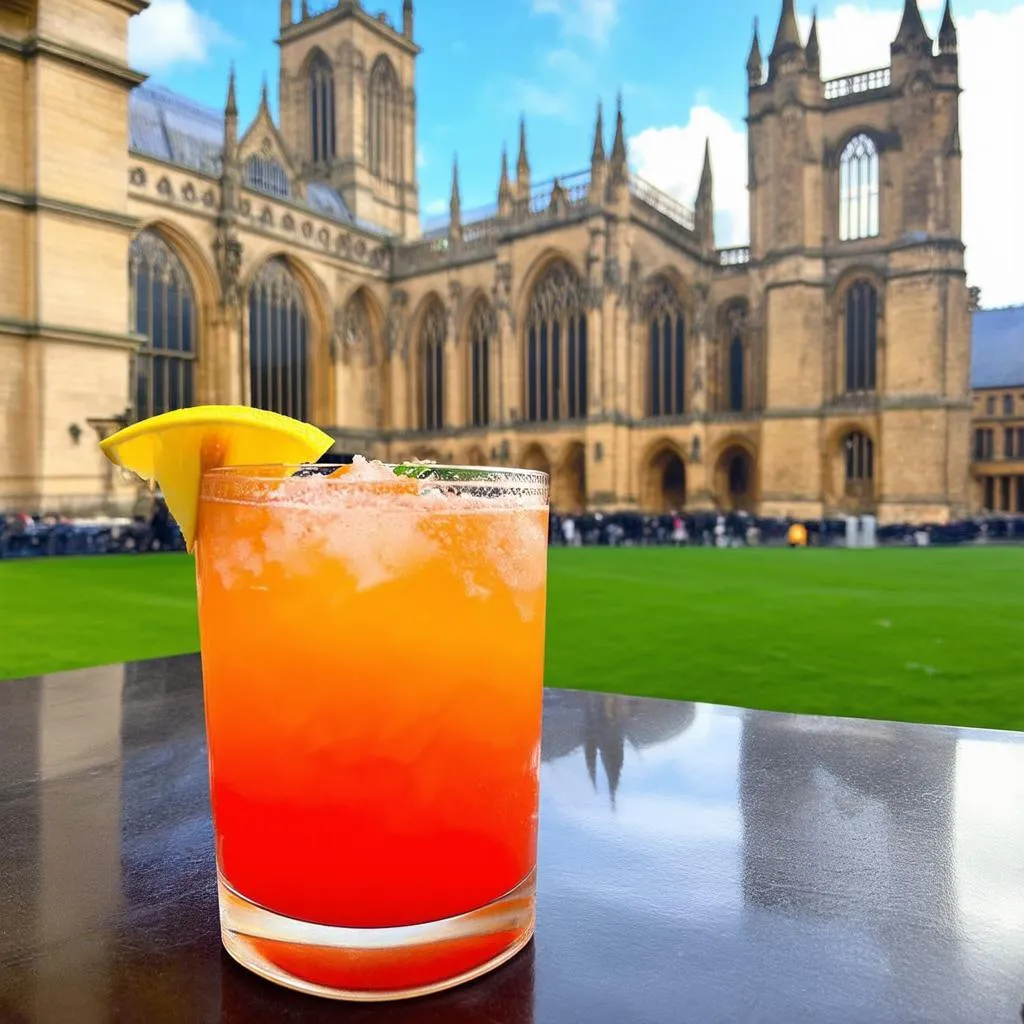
point(704, 210)
point(407, 20)
point(286, 14)
point(597, 155)
point(505, 197)
point(912, 37)
point(456, 200)
point(812, 50)
point(618, 159)
point(231, 107)
point(523, 163)
point(265, 94)
point(755, 65)
point(947, 31)
point(305, 9)
point(787, 39)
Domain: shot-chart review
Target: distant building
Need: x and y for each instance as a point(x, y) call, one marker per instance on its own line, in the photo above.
point(997, 379)
point(156, 254)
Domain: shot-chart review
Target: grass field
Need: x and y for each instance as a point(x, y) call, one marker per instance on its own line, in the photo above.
point(918, 635)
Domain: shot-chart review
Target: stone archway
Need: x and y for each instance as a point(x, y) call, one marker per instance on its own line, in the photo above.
point(665, 481)
point(734, 479)
point(570, 482)
point(535, 458)
point(476, 456)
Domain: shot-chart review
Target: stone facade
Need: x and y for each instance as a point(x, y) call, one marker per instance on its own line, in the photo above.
point(588, 326)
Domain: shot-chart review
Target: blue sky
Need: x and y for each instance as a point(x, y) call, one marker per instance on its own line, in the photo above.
point(679, 65)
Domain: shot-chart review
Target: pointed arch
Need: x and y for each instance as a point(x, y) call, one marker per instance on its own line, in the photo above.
point(384, 154)
point(858, 188)
point(666, 324)
point(663, 477)
point(298, 290)
point(535, 456)
point(569, 486)
point(556, 347)
point(163, 310)
point(735, 474)
point(734, 370)
point(481, 326)
point(476, 456)
point(430, 363)
point(320, 107)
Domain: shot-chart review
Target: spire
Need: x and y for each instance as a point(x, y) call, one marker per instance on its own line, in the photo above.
point(456, 200)
point(407, 22)
point(755, 65)
point(231, 107)
point(947, 31)
point(812, 51)
point(787, 38)
point(286, 14)
point(704, 213)
point(505, 197)
point(305, 9)
point(523, 163)
point(265, 95)
point(597, 156)
point(704, 188)
point(618, 161)
point(912, 36)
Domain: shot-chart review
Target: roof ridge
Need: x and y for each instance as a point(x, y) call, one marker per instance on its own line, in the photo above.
point(163, 94)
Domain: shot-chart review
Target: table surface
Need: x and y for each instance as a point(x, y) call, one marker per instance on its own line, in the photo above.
point(697, 864)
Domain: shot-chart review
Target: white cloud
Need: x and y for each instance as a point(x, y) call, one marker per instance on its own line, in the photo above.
point(853, 39)
point(421, 158)
point(587, 19)
point(672, 158)
point(172, 32)
point(435, 207)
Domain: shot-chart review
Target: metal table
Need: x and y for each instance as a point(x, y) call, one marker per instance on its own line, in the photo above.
point(697, 864)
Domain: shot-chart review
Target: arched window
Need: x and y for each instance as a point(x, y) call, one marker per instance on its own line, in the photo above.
point(278, 342)
point(737, 384)
point(479, 365)
point(321, 109)
point(264, 174)
point(858, 189)
point(859, 456)
point(383, 121)
point(556, 347)
point(163, 309)
point(433, 331)
point(861, 337)
point(666, 355)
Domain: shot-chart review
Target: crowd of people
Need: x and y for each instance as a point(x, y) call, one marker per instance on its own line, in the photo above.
point(151, 528)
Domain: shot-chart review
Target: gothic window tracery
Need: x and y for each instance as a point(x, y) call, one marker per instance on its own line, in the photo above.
point(858, 189)
point(278, 342)
point(265, 174)
point(163, 310)
point(479, 364)
point(858, 462)
point(861, 337)
point(433, 331)
point(666, 350)
point(321, 109)
point(556, 347)
point(383, 122)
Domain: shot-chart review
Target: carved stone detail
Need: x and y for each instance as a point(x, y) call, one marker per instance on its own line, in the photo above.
point(397, 306)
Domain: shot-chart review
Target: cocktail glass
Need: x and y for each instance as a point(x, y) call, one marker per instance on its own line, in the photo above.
point(373, 647)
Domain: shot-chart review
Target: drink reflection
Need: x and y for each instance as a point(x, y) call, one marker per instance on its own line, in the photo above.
point(59, 756)
point(605, 725)
point(853, 821)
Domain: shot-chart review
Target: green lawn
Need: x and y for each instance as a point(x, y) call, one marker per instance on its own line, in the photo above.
point(920, 635)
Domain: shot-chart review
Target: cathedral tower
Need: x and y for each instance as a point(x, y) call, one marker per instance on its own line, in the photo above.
point(854, 190)
point(348, 108)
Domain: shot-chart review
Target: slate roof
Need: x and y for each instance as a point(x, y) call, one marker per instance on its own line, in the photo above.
point(997, 348)
point(166, 126)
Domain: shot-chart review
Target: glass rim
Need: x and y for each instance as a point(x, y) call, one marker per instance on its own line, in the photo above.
point(513, 475)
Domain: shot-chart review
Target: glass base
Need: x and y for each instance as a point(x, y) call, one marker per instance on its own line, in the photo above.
point(376, 964)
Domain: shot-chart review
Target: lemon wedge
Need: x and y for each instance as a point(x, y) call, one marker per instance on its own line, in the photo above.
point(176, 448)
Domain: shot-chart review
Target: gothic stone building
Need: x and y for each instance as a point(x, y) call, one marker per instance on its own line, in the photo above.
point(156, 254)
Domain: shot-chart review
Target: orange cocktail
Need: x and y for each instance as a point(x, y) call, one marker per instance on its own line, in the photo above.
point(373, 650)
